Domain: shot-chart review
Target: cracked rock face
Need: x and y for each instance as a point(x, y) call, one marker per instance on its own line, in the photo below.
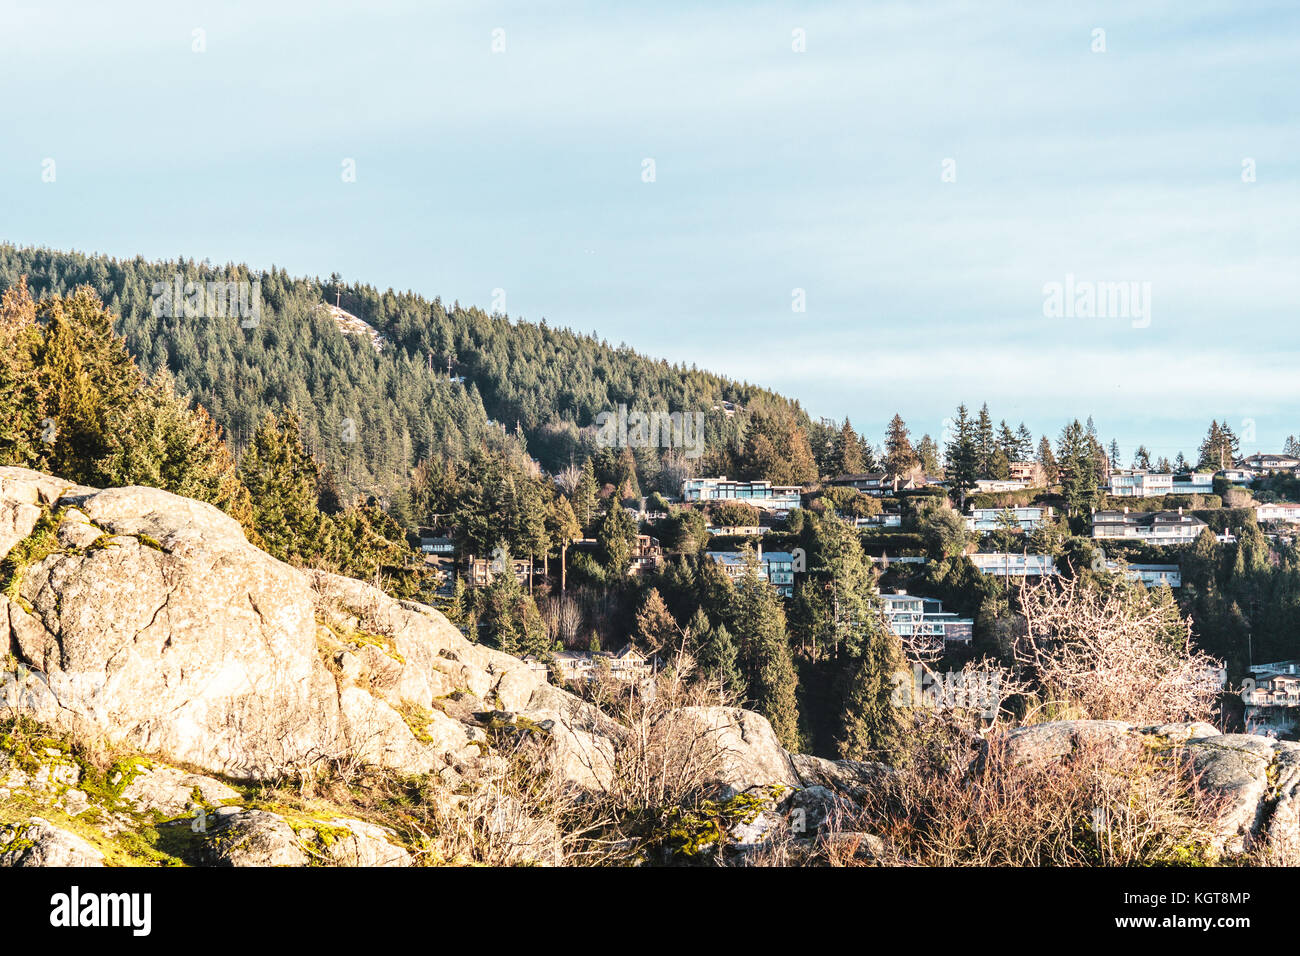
point(153, 622)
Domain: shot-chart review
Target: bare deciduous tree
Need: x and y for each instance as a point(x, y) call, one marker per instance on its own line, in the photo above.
point(1114, 653)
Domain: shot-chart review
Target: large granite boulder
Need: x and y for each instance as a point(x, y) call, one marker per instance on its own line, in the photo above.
point(150, 620)
point(734, 748)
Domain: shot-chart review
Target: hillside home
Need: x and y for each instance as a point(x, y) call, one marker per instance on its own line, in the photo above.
point(1237, 476)
point(778, 566)
point(1280, 511)
point(912, 617)
point(1262, 464)
point(1273, 702)
point(1010, 565)
point(993, 485)
point(625, 664)
point(760, 494)
point(879, 483)
point(436, 544)
point(734, 530)
point(1027, 517)
point(480, 572)
point(647, 556)
point(879, 521)
point(1138, 483)
point(1152, 575)
point(1166, 528)
point(1029, 472)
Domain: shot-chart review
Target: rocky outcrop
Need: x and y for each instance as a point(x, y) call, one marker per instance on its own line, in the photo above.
point(853, 778)
point(1059, 738)
point(243, 837)
point(736, 748)
point(150, 620)
point(149, 623)
point(37, 842)
point(169, 791)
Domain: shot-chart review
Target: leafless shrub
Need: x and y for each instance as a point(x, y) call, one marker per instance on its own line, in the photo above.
point(1099, 806)
point(519, 810)
point(1114, 654)
point(568, 479)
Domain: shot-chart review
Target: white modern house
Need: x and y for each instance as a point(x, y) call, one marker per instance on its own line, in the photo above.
point(1167, 528)
point(1237, 476)
point(1280, 511)
point(879, 483)
point(1152, 575)
point(760, 494)
point(1005, 564)
point(1028, 517)
point(1138, 483)
point(991, 485)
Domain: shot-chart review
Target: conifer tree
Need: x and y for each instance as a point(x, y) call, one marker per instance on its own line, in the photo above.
point(962, 456)
point(21, 395)
point(715, 654)
point(281, 478)
point(846, 456)
point(900, 458)
point(656, 630)
point(586, 496)
point(614, 539)
point(764, 652)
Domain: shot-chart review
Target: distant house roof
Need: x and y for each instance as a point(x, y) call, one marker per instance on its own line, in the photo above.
point(1269, 461)
point(737, 558)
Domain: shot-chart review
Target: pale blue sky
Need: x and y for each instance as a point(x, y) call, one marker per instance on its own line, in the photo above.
point(775, 170)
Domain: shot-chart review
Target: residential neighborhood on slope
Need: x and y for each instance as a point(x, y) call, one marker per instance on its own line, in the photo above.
point(1172, 528)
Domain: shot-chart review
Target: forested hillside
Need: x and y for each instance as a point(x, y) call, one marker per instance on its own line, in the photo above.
point(372, 417)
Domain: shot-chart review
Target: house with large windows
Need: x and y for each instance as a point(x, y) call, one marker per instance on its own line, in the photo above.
point(1139, 483)
point(1152, 575)
point(1006, 564)
point(1279, 511)
point(760, 494)
point(1029, 472)
point(1166, 528)
point(923, 620)
point(994, 485)
point(879, 483)
point(888, 519)
point(1028, 517)
point(1263, 464)
point(777, 566)
point(1272, 698)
